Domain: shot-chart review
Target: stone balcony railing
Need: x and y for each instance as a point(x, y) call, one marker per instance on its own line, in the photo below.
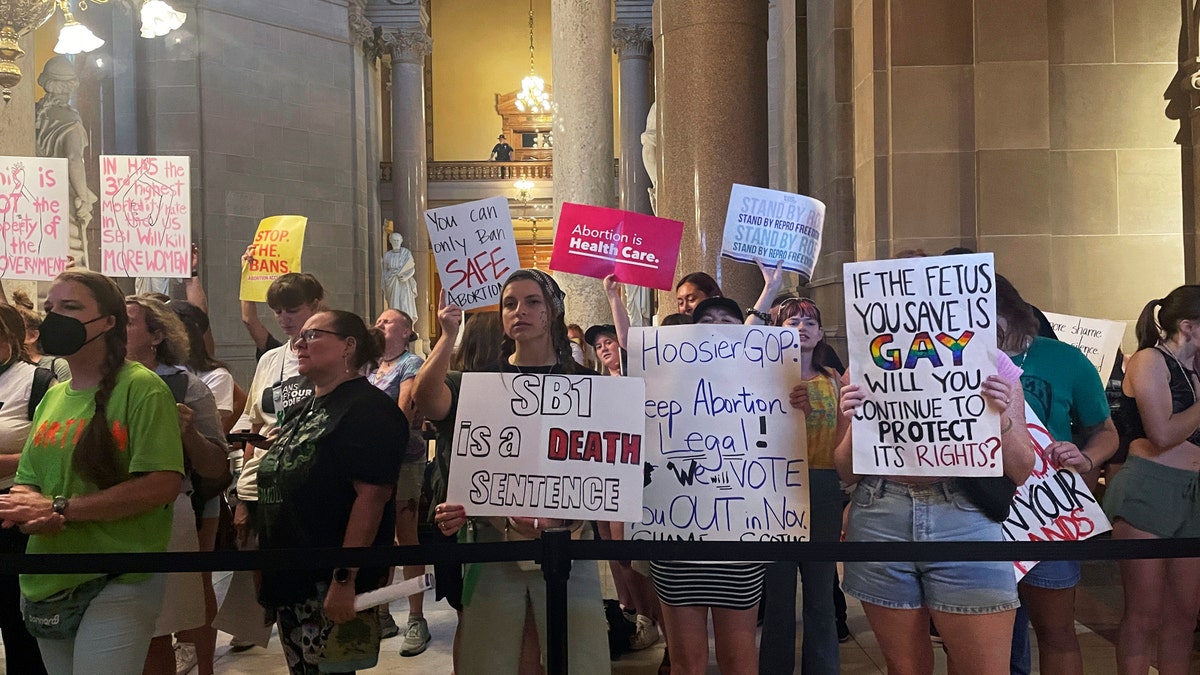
point(470, 171)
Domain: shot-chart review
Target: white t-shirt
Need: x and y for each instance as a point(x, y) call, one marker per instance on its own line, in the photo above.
point(277, 365)
point(15, 386)
point(220, 381)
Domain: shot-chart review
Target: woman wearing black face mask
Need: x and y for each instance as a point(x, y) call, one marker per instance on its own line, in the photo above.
point(103, 461)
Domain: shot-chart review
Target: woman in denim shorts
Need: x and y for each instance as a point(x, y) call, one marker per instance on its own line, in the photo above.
point(971, 603)
point(1156, 495)
point(1065, 392)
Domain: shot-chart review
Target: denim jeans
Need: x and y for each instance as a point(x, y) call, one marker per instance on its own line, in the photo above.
point(819, 655)
point(115, 632)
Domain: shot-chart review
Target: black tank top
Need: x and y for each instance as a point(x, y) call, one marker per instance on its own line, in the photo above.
point(1183, 396)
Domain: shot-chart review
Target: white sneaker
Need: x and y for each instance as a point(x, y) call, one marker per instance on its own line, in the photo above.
point(416, 638)
point(647, 633)
point(185, 658)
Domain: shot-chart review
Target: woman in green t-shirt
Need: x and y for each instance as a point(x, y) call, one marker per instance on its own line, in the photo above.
point(97, 475)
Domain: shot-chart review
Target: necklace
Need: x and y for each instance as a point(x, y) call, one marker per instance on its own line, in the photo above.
point(1187, 374)
point(526, 372)
point(1023, 355)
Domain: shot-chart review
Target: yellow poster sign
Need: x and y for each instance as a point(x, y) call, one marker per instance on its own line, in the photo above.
point(277, 247)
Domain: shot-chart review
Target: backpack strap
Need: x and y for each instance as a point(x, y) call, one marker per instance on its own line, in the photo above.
point(42, 379)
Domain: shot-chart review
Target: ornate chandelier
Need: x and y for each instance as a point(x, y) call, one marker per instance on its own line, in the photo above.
point(20, 17)
point(533, 97)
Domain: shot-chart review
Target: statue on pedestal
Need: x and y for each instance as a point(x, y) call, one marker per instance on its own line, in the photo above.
point(400, 277)
point(60, 132)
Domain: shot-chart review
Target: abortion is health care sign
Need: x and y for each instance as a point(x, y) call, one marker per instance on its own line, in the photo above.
point(145, 216)
point(773, 226)
point(549, 446)
point(595, 242)
point(725, 451)
point(474, 248)
point(921, 333)
point(1054, 503)
point(34, 216)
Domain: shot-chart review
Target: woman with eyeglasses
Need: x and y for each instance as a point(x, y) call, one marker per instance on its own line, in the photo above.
point(329, 480)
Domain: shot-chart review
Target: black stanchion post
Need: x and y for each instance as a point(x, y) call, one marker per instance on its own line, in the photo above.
point(556, 569)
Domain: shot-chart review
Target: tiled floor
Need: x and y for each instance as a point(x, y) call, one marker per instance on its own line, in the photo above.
point(1097, 609)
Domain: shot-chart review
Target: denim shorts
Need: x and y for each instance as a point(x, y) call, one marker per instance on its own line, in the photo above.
point(884, 510)
point(1054, 574)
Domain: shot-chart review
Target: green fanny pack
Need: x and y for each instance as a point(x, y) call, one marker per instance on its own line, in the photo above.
point(58, 616)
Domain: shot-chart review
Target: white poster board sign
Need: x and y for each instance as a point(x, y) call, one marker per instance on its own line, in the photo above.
point(548, 446)
point(35, 213)
point(475, 250)
point(1098, 339)
point(1054, 503)
point(145, 216)
point(921, 333)
point(771, 226)
point(725, 451)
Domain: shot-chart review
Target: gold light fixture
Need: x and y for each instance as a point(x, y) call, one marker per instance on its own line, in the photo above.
point(533, 97)
point(18, 18)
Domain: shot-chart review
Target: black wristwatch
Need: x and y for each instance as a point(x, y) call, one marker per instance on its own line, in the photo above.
point(59, 506)
point(341, 575)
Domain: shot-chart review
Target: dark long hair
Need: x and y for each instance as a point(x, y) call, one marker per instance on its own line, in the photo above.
point(1181, 303)
point(480, 346)
point(12, 332)
point(1022, 323)
point(195, 322)
point(703, 283)
point(554, 305)
point(96, 453)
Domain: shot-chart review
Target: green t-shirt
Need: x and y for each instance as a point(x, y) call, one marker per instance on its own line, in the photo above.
point(1062, 386)
point(145, 425)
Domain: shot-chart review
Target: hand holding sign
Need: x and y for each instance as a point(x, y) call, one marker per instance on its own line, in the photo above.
point(773, 225)
point(276, 250)
point(475, 250)
point(595, 242)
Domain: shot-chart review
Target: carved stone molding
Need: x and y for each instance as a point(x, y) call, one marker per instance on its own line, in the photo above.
point(408, 45)
point(631, 41)
point(362, 31)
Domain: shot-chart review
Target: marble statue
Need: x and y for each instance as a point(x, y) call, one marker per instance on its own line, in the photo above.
point(60, 132)
point(400, 277)
point(650, 154)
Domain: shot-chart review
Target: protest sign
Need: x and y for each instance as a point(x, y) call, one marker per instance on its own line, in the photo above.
point(1054, 503)
point(921, 333)
point(596, 242)
point(771, 226)
point(548, 446)
point(35, 216)
point(145, 216)
point(277, 248)
point(725, 451)
point(475, 250)
point(1098, 339)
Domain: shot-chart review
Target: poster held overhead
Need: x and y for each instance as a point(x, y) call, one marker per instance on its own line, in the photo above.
point(726, 456)
point(475, 250)
point(921, 334)
point(277, 249)
point(548, 446)
point(145, 216)
point(34, 217)
point(773, 226)
point(593, 241)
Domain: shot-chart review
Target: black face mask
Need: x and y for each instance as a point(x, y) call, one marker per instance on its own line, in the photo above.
point(64, 335)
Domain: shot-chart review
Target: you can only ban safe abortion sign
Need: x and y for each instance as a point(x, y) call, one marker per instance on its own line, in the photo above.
point(475, 250)
point(34, 217)
point(725, 451)
point(145, 216)
point(921, 334)
point(548, 446)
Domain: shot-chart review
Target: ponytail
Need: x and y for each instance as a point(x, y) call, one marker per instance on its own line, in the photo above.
point(1147, 331)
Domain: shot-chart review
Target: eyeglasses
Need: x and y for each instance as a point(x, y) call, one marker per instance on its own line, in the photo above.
point(310, 334)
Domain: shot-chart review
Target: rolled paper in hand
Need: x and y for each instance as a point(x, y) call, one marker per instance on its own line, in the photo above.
point(382, 596)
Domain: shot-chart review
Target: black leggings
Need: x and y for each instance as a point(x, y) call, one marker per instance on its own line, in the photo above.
point(21, 653)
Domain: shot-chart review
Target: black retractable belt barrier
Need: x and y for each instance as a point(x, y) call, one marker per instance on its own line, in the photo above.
point(556, 550)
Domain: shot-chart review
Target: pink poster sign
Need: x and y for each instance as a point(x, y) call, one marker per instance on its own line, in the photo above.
point(595, 242)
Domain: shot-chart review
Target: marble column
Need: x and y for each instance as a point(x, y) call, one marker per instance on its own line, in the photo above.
point(408, 47)
point(632, 44)
point(583, 130)
point(710, 67)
